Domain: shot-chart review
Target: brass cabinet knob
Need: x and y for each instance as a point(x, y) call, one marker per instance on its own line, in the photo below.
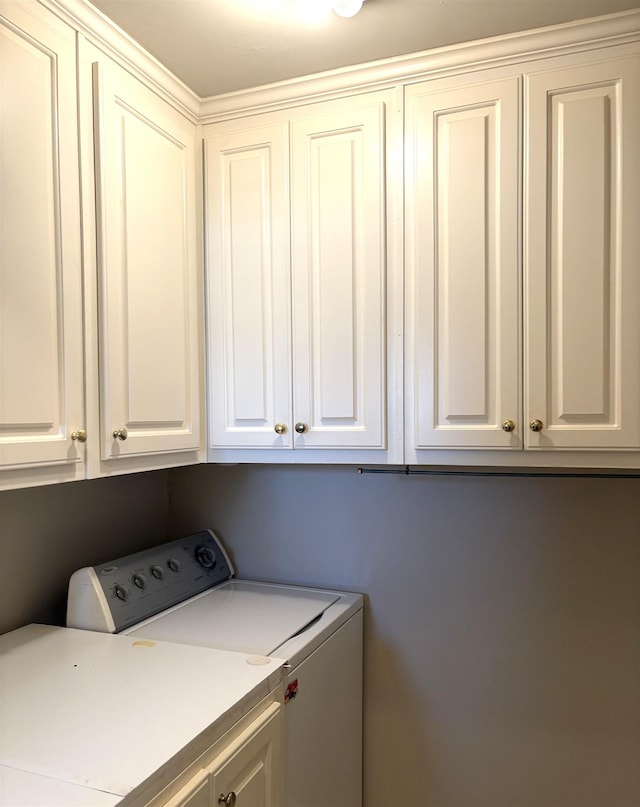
point(280, 428)
point(536, 425)
point(120, 434)
point(80, 436)
point(229, 800)
point(301, 428)
point(508, 426)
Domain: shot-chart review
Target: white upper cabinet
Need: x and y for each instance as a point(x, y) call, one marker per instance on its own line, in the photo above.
point(503, 176)
point(582, 254)
point(41, 371)
point(462, 264)
point(540, 264)
point(100, 334)
point(147, 270)
point(298, 287)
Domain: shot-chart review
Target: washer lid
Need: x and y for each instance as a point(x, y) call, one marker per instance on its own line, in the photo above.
point(239, 615)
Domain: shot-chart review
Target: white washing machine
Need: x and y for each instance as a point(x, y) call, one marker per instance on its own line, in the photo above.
point(185, 592)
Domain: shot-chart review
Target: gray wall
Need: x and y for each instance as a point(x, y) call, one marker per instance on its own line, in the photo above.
point(503, 615)
point(502, 629)
point(47, 533)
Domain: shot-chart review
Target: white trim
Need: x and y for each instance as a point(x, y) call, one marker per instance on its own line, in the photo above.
point(503, 50)
point(441, 458)
point(106, 35)
point(557, 40)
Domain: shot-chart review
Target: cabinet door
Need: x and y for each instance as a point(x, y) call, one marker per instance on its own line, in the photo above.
point(148, 270)
point(462, 300)
point(251, 766)
point(41, 377)
point(248, 290)
point(196, 793)
point(582, 243)
point(338, 189)
point(246, 771)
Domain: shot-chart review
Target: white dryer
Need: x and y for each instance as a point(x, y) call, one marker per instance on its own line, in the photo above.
point(185, 592)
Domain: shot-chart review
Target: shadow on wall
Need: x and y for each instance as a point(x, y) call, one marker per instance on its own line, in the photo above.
point(393, 710)
point(47, 533)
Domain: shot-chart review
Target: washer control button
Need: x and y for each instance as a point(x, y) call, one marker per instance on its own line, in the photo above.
point(121, 592)
point(205, 556)
point(139, 580)
point(157, 572)
point(174, 564)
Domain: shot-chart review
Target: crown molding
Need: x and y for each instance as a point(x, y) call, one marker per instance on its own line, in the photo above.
point(557, 40)
point(108, 37)
point(500, 51)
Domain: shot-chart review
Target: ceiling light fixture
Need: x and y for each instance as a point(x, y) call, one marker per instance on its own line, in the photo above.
point(347, 8)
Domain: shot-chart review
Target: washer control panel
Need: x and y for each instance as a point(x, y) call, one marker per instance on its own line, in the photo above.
point(134, 588)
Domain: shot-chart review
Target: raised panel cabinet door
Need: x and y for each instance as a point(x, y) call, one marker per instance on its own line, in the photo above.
point(147, 269)
point(251, 767)
point(462, 258)
point(582, 242)
point(196, 793)
point(249, 287)
point(41, 369)
point(338, 228)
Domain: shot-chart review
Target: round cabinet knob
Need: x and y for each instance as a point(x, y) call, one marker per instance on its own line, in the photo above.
point(120, 434)
point(80, 436)
point(280, 428)
point(301, 428)
point(536, 425)
point(508, 426)
point(229, 800)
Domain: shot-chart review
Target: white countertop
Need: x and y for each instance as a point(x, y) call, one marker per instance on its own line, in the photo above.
point(23, 789)
point(111, 712)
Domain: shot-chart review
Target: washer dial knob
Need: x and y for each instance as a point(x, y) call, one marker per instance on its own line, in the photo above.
point(157, 572)
point(139, 580)
point(205, 556)
point(174, 564)
point(121, 592)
